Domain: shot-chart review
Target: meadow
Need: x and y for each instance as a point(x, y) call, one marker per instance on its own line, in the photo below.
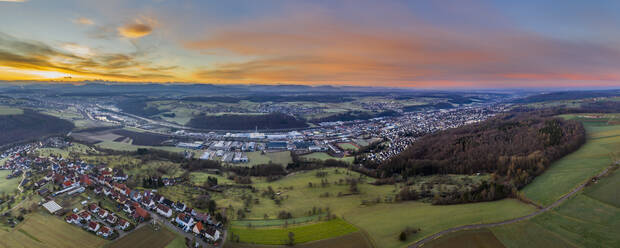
point(597, 153)
point(479, 238)
point(8, 185)
point(44, 230)
point(302, 233)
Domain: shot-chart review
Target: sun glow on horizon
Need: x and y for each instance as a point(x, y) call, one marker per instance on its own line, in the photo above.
point(34, 74)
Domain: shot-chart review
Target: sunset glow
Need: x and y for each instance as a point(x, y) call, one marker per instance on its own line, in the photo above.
point(371, 43)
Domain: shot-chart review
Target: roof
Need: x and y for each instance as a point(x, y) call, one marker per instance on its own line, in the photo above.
point(163, 207)
point(52, 206)
point(198, 226)
point(105, 229)
point(141, 212)
point(93, 224)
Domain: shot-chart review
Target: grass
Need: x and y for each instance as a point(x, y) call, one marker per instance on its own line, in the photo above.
point(10, 185)
point(256, 158)
point(277, 222)
point(324, 156)
point(384, 222)
point(348, 146)
point(303, 234)
point(146, 236)
point(568, 172)
point(480, 238)
point(6, 110)
point(44, 230)
point(607, 190)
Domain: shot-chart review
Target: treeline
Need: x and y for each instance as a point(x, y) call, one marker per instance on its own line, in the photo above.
point(430, 106)
point(139, 107)
point(514, 147)
point(356, 115)
point(584, 107)
point(246, 122)
point(567, 95)
point(30, 125)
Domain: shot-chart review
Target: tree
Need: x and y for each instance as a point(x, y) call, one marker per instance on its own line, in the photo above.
point(402, 236)
point(291, 238)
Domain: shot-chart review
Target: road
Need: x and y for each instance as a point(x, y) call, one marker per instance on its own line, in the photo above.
point(487, 225)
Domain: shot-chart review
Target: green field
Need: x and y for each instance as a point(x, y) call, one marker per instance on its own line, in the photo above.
point(324, 156)
point(351, 240)
point(348, 146)
point(44, 230)
point(6, 110)
point(10, 185)
point(147, 237)
point(120, 146)
point(303, 233)
point(607, 190)
point(603, 141)
point(383, 222)
point(277, 222)
point(256, 158)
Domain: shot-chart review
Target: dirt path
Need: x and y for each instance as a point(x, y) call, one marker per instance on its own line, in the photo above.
point(487, 225)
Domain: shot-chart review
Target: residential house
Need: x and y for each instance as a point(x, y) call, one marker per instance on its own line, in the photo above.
point(93, 226)
point(105, 232)
point(185, 221)
point(164, 210)
point(103, 213)
point(72, 219)
point(179, 206)
point(111, 219)
point(123, 224)
point(84, 215)
point(93, 208)
point(212, 233)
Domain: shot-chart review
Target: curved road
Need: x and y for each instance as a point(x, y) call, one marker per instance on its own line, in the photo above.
point(478, 226)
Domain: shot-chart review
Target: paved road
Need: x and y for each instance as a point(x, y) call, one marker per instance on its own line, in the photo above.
point(478, 226)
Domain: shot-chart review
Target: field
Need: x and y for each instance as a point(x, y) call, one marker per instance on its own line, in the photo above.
point(383, 222)
point(563, 175)
point(348, 146)
point(607, 190)
point(481, 238)
point(352, 240)
point(325, 156)
point(256, 158)
point(10, 185)
point(44, 230)
point(146, 237)
point(303, 233)
point(5, 110)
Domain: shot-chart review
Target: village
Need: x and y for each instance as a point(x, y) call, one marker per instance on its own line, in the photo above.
point(110, 209)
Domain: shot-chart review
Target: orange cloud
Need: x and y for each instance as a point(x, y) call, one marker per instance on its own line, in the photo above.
point(135, 30)
point(83, 21)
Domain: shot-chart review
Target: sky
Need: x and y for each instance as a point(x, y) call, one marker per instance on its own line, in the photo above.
point(425, 44)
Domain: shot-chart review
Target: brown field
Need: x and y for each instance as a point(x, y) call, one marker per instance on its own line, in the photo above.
point(145, 237)
point(352, 240)
point(480, 238)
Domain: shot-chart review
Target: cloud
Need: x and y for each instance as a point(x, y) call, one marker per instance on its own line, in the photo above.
point(138, 28)
point(321, 48)
point(37, 58)
point(83, 21)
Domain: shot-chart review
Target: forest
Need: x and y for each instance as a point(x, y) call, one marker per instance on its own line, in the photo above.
point(514, 148)
point(31, 125)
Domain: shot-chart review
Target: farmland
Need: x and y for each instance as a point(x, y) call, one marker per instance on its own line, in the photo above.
point(352, 240)
point(563, 175)
point(146, 236)
point(482, 238)
point(303, 233)
point(43, 230)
